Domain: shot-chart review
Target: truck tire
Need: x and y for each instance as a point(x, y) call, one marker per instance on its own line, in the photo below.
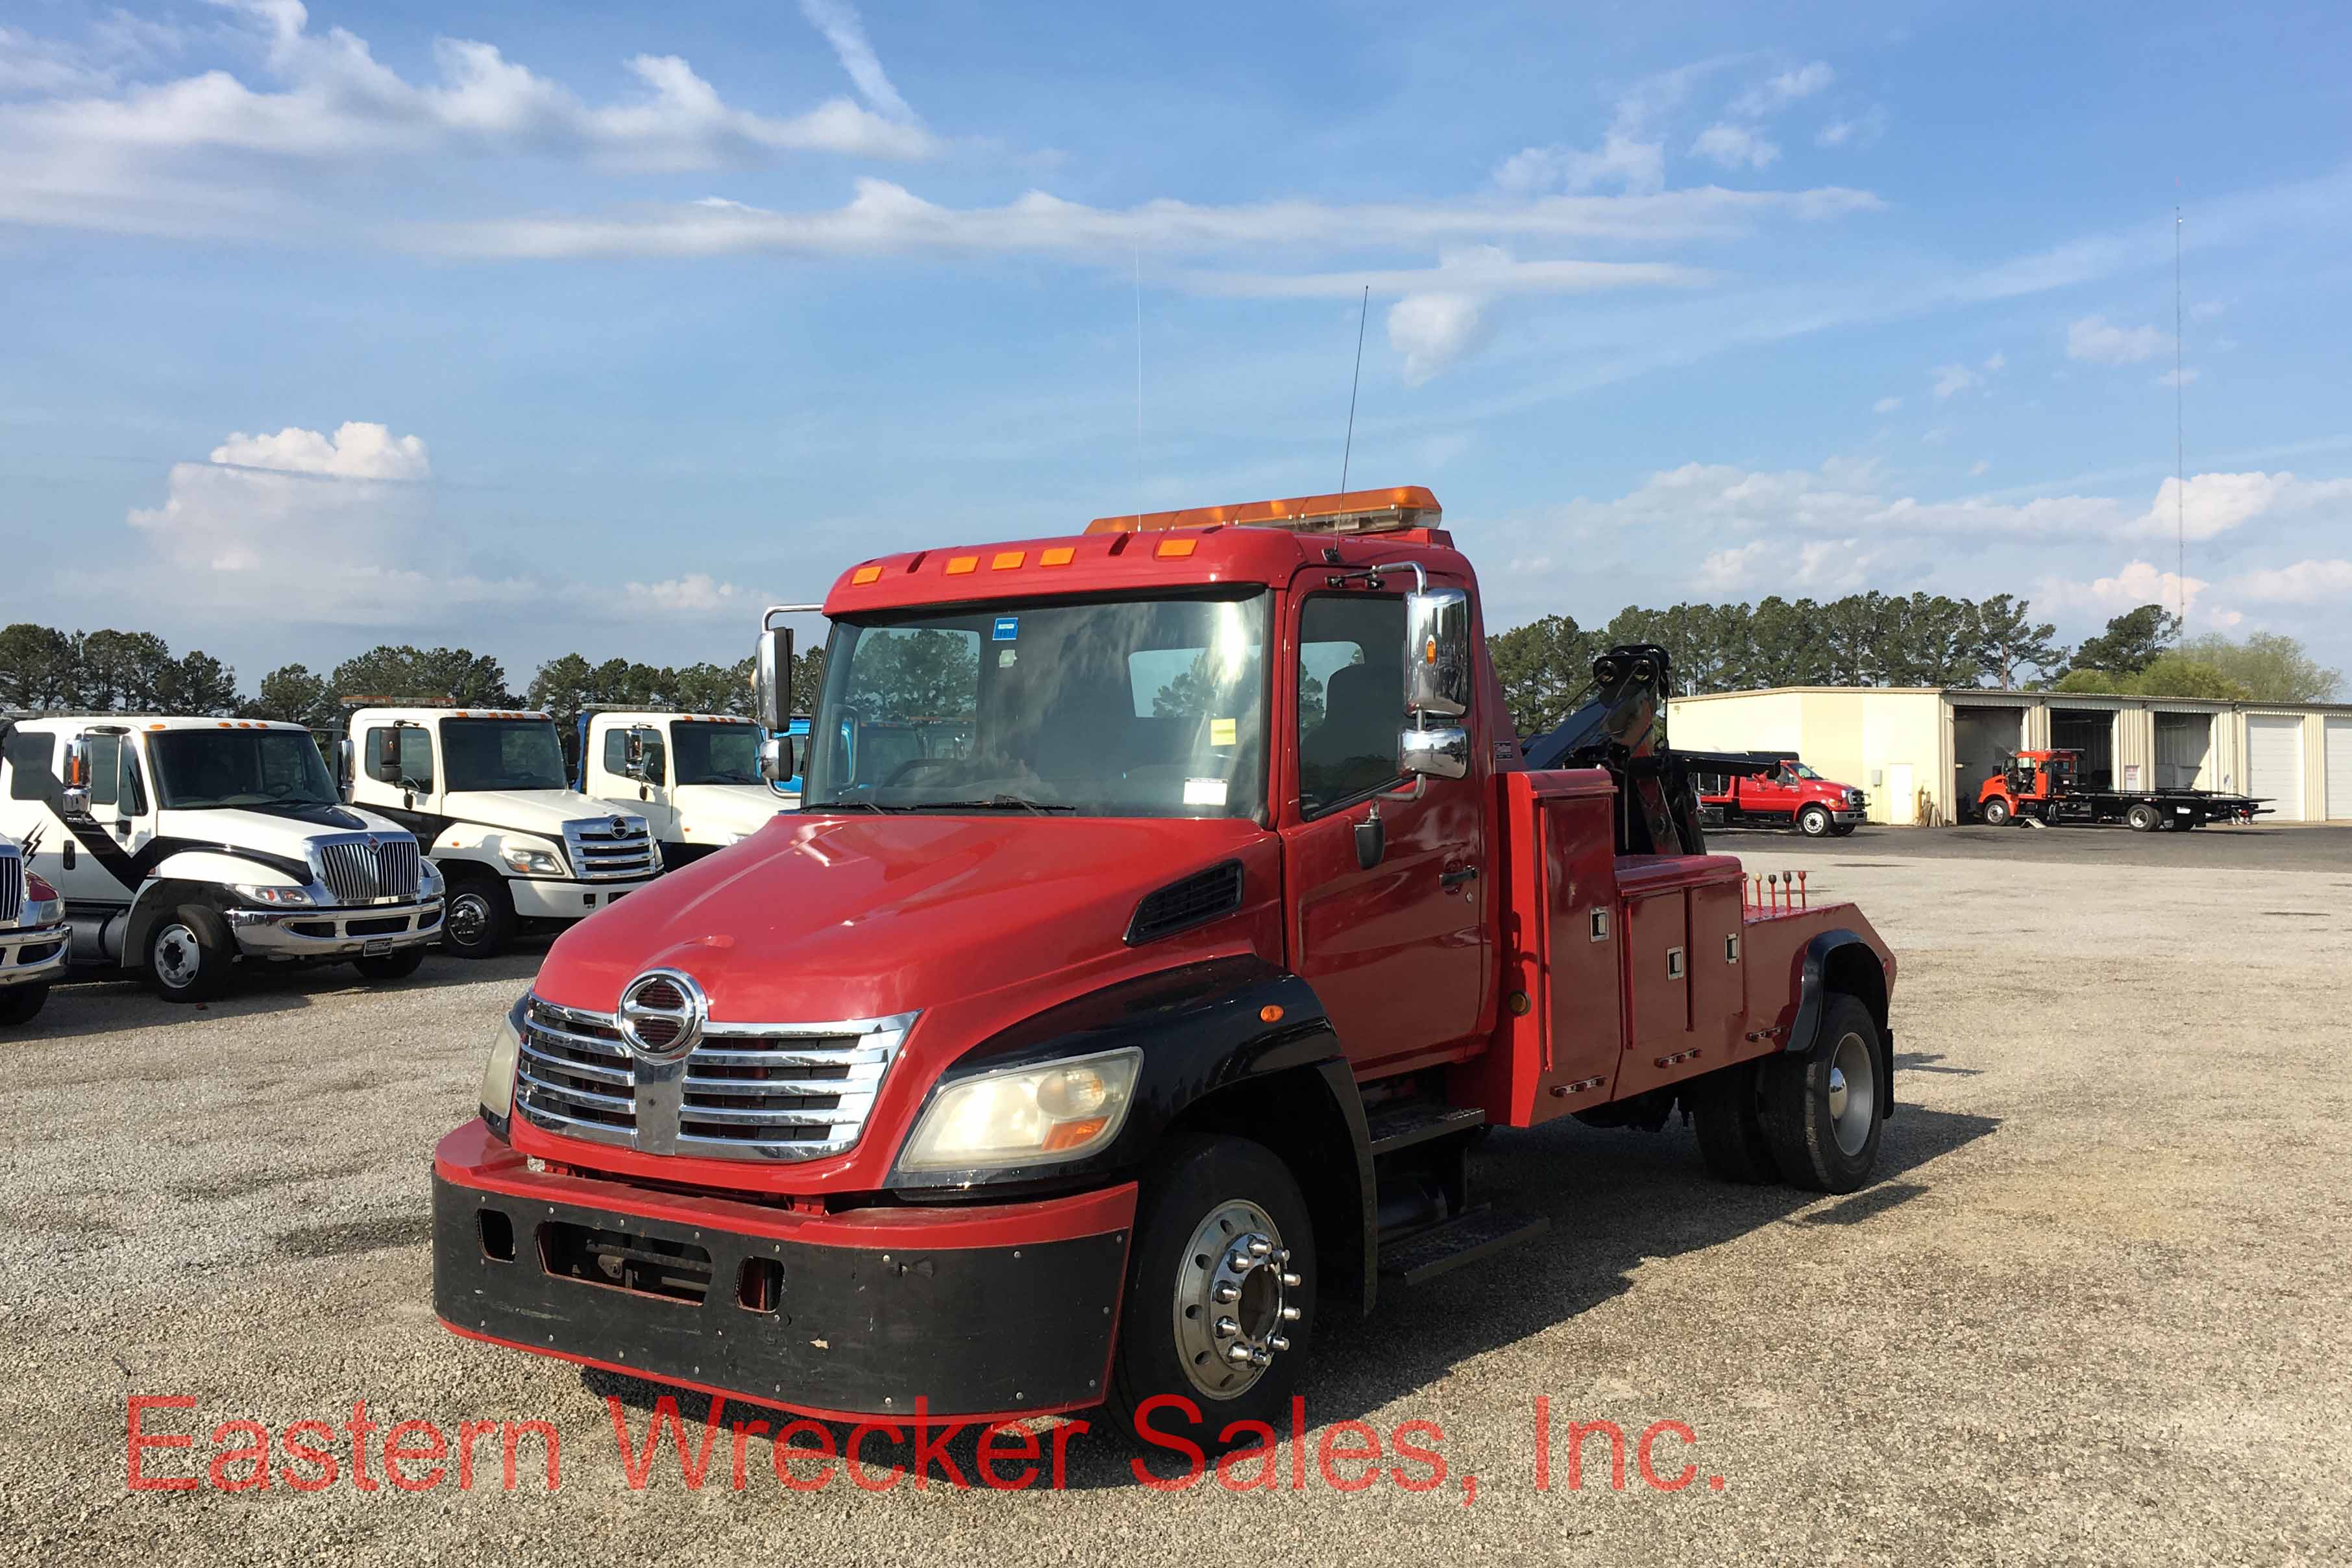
point(189, 955)
point(1997, 813)
point(480, 919)
point(1813, 821)
point(1821, 1108)
point(1842, 829)
point(390, 965)
point(1730, 1126)
point(1221, 1235)
point(19, 1003)
point(2143, 818)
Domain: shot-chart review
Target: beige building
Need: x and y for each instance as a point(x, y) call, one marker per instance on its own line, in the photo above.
point(1922, 751)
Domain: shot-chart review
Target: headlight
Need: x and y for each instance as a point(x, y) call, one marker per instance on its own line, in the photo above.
point(282, 898)
point(1026, 1116)
point(44, 905)
point(499, 1072)
point(532, 862)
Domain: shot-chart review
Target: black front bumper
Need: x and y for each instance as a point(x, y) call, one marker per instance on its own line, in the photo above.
point(837, 1330)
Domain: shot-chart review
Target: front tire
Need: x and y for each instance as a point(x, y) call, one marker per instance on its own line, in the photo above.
point(189, 953)
point(1813, 821)
point(19, 1003)
point(1842, 829)
point(480, 918)
point(390, 965)
point(1997, 813)
point(2144, 819)
point(1822, 1112)
point(1219, 1295)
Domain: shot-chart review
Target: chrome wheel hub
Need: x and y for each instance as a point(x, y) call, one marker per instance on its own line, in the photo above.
point(1233, 1306)
point(1854, 1093)
point(178, 958)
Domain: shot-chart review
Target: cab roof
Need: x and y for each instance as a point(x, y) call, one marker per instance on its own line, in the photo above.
point(144, 721)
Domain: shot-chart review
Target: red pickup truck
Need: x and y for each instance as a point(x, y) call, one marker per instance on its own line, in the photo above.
point(1094, 1057)
point(1787, 795)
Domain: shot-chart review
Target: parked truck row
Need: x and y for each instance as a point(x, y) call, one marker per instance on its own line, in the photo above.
point(1170, 910)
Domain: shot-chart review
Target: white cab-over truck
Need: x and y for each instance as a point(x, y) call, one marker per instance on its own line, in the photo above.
point(32, 936)
point(484, 791)
point(185, 846)
point(696, 776)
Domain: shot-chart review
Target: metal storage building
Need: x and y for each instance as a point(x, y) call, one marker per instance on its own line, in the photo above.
point(1921, 752)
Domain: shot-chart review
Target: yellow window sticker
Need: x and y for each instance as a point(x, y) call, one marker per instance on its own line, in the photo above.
point(1223, 732)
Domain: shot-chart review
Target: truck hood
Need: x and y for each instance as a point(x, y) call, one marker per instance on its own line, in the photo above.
point(735, 809)
point(820, 918)
point(541, 810)
point(286, 832)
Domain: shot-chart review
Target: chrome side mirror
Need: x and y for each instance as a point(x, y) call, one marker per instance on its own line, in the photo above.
point(346, 784)
point(639, 763)
point(1434, 753)
point(1437, 654)
point(74, 800)
point(778, 758)
point(771, 678)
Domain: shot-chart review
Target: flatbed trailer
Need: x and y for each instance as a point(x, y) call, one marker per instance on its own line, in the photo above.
point(2040, 787)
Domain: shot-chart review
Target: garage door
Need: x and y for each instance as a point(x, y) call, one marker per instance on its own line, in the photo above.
point(2275, 762)
point(2340, 770)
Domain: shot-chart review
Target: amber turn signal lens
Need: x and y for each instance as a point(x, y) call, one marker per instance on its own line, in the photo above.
point(1269, 1014)
point(1073, 1134)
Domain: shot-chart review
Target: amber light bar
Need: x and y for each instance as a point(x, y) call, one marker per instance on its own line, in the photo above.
point(1352, 511)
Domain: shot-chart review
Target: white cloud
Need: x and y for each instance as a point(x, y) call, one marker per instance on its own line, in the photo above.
point(2101, 341)
point(2214, 504)
point(2139, 583)
point(1486, 269)
point(1788, 88)
point(841, 27)
point(1978, 468)
point(334, 100)
point(1631, 157)
point(302, 525)
point(2304, 582)
point(1996, 361)
point(2181, 377)
point(1734, 147)
point(1886, 406)
point(1433, 331)
point(1861, 131)
point(1815, 566)
point(1955, 378)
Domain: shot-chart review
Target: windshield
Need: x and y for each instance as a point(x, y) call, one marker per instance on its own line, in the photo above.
point(1803, 772)
point(715, 753)
point(1124, 708)
point(500, 754)
point(199, 769)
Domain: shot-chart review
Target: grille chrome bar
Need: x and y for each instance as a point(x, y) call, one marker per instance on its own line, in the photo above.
point(12, 884)
point(365, 868)
point(608, 849)
point(577, 1078)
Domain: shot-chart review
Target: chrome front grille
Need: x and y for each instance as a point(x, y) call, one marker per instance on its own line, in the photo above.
point(364, 867)
point(606, 848)
point(747, 1091)
point(12, 884)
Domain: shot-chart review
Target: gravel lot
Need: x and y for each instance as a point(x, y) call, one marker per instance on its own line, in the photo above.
point(2094, 1309)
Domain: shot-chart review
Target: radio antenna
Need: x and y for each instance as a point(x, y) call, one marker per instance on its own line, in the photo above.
point(1139, 386)
point(1348, 451)
point(2179, 437)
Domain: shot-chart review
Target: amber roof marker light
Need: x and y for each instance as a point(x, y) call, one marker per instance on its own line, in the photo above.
point(1346, 512)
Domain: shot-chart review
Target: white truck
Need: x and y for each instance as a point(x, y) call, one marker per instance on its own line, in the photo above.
point(484, 791)
point(185, 846)
point(696, 776)
point(33, 936)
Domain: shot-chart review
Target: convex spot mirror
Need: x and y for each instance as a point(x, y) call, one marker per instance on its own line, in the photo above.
point(1438, 669)
point(346, 785)
point(778, 760)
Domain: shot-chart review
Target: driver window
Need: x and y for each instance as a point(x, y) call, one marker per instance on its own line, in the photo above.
point(415, 762)
point(104, 754)
point(1350, 697)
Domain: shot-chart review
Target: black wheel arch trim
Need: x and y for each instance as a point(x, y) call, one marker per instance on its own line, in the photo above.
point(1837, 948)
point(1202, 1031)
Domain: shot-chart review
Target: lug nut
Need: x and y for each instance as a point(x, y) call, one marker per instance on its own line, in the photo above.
point(1290, 1314)
point(1282, 1255)
point(1292, 1281)
point(1261, 1358)
point(1259, 1248)
point(1226, 1293)
point(1237, 1352)
point(1227, 1327)
point(1277, 1343)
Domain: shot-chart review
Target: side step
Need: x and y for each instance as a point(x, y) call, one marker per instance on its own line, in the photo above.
point(1403, 1126)
point(1444, 1247)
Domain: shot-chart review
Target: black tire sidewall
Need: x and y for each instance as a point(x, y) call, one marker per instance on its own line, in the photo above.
point(21, 1004)
point(1731, 1127)
point(215, 953)
point(390, 966)
point(1192, 1176)
point(1794, 1104)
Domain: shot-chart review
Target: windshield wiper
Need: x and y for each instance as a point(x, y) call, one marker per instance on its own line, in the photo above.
point(995, 803)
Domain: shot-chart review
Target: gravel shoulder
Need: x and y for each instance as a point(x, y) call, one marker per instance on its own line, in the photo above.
point(2094, 1310)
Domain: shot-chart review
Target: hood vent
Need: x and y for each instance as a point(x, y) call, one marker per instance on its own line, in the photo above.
point(1199, 898)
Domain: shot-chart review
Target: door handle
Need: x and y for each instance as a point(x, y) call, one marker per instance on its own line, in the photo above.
point(1456, 878)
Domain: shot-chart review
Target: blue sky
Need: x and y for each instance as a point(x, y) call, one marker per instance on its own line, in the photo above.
point(596, 326)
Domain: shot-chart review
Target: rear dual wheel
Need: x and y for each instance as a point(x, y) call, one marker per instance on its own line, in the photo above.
point(2143, 818)
point(1821, 1112)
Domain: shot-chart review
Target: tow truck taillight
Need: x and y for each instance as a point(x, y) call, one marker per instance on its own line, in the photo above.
point(1349, 511)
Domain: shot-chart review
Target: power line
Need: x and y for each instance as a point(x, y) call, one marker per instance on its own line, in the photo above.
point(2179, 437)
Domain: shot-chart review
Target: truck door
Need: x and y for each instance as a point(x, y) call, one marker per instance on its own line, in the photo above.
point(401, 757)
point(609, 778)
point(1397, 951)
point(120, 823)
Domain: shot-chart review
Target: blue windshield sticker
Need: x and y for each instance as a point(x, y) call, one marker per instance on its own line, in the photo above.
point(1008, 628)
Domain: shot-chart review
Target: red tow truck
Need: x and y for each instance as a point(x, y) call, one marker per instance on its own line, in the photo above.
point(1786, 793)
point(1094, 1058)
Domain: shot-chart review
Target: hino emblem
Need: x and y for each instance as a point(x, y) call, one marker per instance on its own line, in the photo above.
point(661, 1016)
point(620, 827)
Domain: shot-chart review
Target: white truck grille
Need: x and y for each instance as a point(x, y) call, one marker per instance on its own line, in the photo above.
point(12, 884)
point(366, 867)
point(747, 1091)
point(609, 848)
